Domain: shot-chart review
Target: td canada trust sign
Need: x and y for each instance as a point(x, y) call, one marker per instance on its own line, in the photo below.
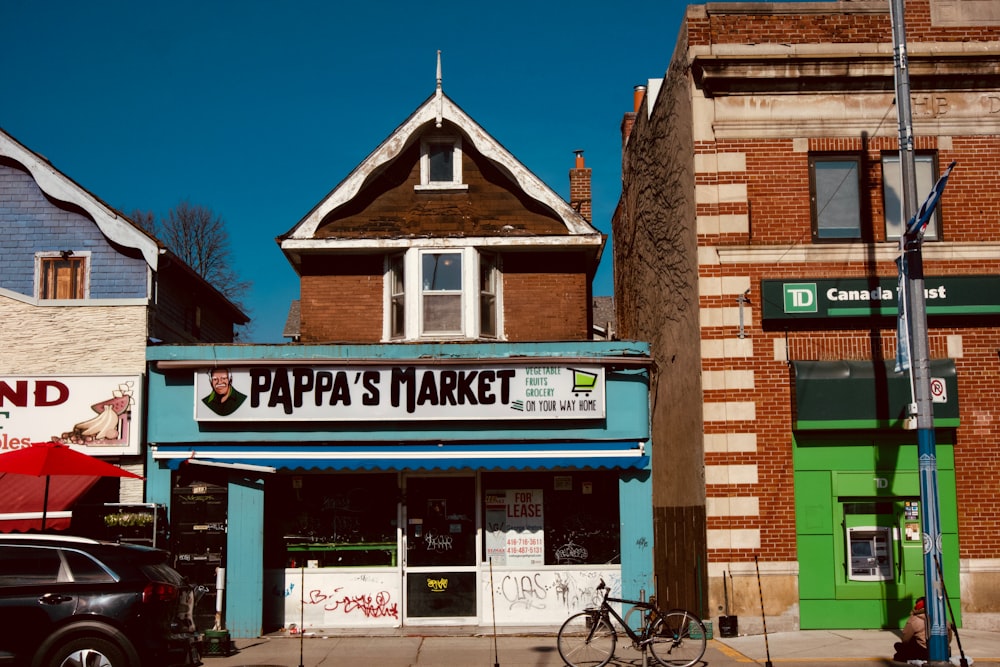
point(401, 392)
point(862, 297)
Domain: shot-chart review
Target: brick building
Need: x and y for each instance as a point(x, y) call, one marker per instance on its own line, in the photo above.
point(444, 433)
point(82, 293)
point(765, 165)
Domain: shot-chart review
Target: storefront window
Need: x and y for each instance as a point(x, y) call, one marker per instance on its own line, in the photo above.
point(551, 518)
point(335, 520)
point(440, 526)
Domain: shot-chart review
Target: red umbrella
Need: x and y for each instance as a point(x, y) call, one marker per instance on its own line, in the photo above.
point(52, 458)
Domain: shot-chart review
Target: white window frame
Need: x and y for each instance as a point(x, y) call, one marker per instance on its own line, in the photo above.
point(395, 274)
point(40, 262)
point(412, 296)
point(892, 200)
point(490, 260)
point(456, 164)
point(462, 292)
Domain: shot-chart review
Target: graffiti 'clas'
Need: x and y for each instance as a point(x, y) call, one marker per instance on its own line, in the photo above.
point(293, 388)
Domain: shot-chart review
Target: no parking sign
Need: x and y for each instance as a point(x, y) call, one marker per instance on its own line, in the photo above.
point(939, 390)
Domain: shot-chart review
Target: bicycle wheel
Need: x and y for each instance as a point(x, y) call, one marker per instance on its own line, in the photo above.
point(586, 640)
point(677, 638)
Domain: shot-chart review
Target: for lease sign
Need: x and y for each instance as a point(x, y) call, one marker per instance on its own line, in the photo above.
point(515, 527)
point(399, 392)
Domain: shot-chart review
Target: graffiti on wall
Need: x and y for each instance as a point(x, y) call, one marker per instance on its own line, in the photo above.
point(546, 596)
point(324, 599)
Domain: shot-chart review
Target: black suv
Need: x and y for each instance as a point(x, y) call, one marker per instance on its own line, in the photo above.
point(76, 602)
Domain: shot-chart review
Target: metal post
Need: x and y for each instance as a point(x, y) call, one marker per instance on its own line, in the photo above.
point(916, 318)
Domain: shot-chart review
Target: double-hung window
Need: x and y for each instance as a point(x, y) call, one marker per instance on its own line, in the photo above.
point(61, 275)
point(892, 193)
point(442, 294)
point(489, 287)
point(835, 197)
point(396, 280)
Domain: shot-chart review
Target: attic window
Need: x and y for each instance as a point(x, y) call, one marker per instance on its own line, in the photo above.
point(62, 275)
point(441, 164)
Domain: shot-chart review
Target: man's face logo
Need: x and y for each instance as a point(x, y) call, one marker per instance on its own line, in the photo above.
point(220, 382)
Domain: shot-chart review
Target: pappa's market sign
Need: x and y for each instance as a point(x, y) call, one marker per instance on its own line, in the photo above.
point(399, 393)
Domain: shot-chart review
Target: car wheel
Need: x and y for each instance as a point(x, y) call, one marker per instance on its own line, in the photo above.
point(87, 652)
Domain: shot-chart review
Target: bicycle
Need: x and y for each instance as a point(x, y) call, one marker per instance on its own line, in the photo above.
point(588, 638)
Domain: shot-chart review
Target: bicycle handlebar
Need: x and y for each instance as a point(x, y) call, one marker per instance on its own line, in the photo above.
point(644, 604)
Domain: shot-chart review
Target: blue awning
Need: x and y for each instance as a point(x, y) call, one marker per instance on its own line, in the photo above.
point(518, 456)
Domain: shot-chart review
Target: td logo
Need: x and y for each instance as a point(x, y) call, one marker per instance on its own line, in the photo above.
point(800, 297)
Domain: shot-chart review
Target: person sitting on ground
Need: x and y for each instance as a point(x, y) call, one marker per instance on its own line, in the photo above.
point(914, 644)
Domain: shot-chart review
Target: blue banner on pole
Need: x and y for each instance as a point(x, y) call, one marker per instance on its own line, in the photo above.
point(915, 230)
point(902, 328)
point(918, 223)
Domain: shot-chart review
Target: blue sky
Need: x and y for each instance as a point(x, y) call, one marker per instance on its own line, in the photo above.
point(258, 109)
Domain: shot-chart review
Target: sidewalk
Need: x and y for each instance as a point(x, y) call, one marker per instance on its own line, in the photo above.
point(857, 646)
point(424, 648)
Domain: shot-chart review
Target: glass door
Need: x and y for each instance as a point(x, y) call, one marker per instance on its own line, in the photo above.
point(440, 565)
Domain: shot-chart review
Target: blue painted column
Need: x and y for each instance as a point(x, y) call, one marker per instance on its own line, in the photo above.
point(635, 507)
point(157, 481)
point(244, 603)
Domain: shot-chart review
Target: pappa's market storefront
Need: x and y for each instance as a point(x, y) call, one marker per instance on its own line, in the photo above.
point(381, 486)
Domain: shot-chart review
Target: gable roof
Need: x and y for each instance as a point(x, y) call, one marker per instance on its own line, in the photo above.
point(57, 185)
point(433, 112)
point(113, 224)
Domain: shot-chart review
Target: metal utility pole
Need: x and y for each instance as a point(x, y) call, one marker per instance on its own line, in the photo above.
point(922, 409)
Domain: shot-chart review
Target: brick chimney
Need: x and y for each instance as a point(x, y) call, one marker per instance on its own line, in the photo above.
point(638, 93)
point(579, 188)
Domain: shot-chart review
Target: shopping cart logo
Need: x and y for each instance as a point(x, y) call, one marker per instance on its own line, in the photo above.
point(584, 382)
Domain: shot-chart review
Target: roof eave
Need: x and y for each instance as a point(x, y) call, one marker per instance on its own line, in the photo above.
point(57, 185)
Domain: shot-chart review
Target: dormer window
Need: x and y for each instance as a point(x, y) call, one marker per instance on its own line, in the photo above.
point(441, 164)
point(455, 294)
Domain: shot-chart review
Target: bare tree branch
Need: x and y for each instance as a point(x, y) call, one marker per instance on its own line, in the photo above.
point(199, 237)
